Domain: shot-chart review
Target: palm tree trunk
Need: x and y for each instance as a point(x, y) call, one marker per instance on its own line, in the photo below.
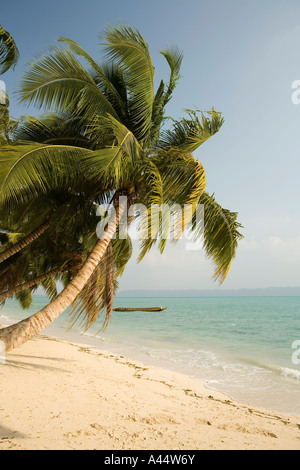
point(19, 333)
point(12, 250)
point(26, 285)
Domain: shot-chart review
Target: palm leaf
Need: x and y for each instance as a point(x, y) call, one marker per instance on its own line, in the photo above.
point(97, 295)
point(182, 180)
point(113, 166)
point(50, 287)
point(100, 76)
point(115, 90)
point(189, 134)
point(54, 129)
point(174, 58)
point(10, 239)
point(4, 118)
point(126, 47)
point(122, 252)
point(163, 95)
point(123, 137)
point(9, 54)
point(220, 235)
point(183, 177)
point(58, 80)
point(26, 171)
point(151, 224)
point(25, 298)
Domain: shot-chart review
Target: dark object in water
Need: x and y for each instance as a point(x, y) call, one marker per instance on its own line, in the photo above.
point(142, 309)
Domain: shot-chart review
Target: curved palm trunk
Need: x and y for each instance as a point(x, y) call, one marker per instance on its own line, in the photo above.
point(19, 333)
point(24, 242)
point(26, 285)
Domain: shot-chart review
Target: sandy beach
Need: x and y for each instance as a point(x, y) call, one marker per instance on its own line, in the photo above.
point(60, 395)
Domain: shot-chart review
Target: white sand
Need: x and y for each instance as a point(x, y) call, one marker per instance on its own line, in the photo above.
point(60, 395)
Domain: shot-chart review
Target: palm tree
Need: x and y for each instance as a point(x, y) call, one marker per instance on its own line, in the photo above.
point(27, 285)
point(19, 245)
point(112, 144)
point(59, 248)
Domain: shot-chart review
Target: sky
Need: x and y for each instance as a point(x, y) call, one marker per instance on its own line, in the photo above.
point(241, 58)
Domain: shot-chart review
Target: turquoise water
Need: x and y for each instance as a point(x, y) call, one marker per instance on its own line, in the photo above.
point(242, 346)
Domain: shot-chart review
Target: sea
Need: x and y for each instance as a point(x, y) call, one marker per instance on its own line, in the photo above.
point(245, 347)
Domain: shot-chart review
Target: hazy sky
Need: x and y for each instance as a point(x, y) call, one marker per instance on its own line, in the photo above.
point(240, 57)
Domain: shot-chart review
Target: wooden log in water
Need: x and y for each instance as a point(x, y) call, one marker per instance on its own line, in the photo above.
point(142, 309)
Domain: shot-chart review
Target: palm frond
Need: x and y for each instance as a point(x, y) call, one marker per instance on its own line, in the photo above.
point(163, 95)
point(11, 274)
point(127, 48)
point(122, 252)
point(27, 170)
point(116, 92)
point(9, 53)
point(25, 298)
point(220, 235)
point(153, 221)
point(189, 134)
point(58, 81)
point(112, 166)
point(174, 58)
point(182, 180)
point(4, 118)
point(11, 239)
point(97, 295)
point(100, 76)
point(108, 294)
point(54, 129)
point(50, 287)
point(183, 177)
point(123, 137)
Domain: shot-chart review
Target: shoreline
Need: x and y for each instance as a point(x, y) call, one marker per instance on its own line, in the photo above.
point(222, 354)
point(56, 394)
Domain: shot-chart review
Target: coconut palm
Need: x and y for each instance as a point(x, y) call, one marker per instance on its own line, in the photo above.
point(55, 253)
point(110, 146)
point(60, 249)
point(11, 248)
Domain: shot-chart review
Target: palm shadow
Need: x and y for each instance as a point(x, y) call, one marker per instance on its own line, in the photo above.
point(7, 433)
point(30, 365)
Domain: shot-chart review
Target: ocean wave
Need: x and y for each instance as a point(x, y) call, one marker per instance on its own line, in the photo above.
point(283, 371)
point(3, 317)
point(290, 373)
point(4, 320)
point(93, 335)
